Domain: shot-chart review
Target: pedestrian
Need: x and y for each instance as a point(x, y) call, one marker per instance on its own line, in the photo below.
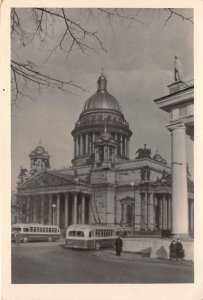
point(119, 245)
point(179, 250)
point(18, 238)
point(172, 248)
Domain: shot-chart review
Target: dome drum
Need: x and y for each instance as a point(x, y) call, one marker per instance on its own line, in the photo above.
point(100, 111)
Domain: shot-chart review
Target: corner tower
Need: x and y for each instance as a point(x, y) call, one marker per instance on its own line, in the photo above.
point(39, 159)
point(100, 110)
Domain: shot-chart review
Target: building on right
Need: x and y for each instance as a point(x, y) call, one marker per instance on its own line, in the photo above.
point(179, 104)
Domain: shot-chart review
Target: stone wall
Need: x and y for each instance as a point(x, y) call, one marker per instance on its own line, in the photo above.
point(156, 247)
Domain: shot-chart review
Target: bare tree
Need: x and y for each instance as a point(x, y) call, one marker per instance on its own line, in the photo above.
point(37, 26)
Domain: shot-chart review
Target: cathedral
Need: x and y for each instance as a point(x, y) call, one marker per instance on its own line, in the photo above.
point(103, 185)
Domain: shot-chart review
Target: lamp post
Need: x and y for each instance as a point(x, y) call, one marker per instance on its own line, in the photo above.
point(133, 186)
point(53, 213)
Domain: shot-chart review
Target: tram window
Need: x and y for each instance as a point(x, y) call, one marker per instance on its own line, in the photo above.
point(16, 229)
point(90, 234)
point(80, 233)
point(71, 233)
point(49, 229)
point(31, 229)
point(25, 230)
point(34, 229)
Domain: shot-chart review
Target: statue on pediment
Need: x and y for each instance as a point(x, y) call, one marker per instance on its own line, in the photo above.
point(143, 152)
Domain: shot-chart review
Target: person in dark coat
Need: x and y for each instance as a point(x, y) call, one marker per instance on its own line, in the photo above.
point(119, 245)
point(172, 248)
point(179, 250)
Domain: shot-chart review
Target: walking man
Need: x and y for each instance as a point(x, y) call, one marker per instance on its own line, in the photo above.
point(119, 245)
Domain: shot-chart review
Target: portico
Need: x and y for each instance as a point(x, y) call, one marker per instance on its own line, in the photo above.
point(62, 205)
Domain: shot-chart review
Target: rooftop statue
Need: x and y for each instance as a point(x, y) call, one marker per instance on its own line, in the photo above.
point(178, 72)
point(143, 152)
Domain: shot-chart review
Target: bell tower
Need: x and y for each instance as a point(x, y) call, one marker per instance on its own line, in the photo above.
point(39, 159)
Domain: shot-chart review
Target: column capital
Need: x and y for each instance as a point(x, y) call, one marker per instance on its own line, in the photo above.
point(176, 126)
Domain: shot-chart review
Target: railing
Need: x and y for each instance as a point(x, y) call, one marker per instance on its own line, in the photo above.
point(101, 122)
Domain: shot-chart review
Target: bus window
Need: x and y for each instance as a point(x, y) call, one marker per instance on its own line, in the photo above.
point(71, 233)
point(80, 233)
point(16, 229)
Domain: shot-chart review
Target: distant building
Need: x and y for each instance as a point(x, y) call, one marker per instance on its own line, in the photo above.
point(103, 185)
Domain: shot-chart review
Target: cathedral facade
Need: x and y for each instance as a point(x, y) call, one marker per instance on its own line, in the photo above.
point(103, 186)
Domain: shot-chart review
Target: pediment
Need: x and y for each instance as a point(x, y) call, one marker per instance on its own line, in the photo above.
point(46, 179)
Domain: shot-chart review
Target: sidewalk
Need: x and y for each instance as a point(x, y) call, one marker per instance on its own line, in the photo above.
point(110, 254)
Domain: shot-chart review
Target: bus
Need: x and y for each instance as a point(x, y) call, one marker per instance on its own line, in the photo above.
point(35, 232)
point(90, 236)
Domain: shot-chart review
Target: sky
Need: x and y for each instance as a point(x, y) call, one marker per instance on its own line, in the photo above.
point(138, 66)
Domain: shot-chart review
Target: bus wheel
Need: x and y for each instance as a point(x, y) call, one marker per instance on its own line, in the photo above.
point(98, 246)
point(25, 239)
point(50, 239)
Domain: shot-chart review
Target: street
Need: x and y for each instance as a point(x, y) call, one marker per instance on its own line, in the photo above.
point(52, 263)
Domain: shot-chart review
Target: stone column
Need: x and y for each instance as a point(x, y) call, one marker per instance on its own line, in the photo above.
point(75, 147)
point(42, 209)
point(75, 204)
point(179, 180)
point(142, 212)
point(50, 209)
point(86, 143)
point(34, 211)
point(160, 214)
point(116, 139)
point(66, 209)
point(78, 145)
point(125, 147)
point(127, 154)
point(151, 212)
point(83, 209)
point(81, 147)
point(168, 213)
point(121, 145)
point(105, 153)
point(93, 140)
point(58, 210)
point(164, 213)
point(192, 215)
point(27, 210)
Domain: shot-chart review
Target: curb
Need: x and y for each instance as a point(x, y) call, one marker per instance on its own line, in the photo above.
point(136, 257)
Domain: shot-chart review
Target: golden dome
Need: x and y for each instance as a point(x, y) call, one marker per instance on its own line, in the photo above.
point(101, 99)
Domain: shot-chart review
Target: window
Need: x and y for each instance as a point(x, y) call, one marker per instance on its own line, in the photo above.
point(15, 229)
point(31, 229)
point(25, 229)
point(80, 233)
point(71, 233)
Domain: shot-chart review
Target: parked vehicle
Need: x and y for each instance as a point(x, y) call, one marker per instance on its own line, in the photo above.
point(35, 232)
point(90, 236)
